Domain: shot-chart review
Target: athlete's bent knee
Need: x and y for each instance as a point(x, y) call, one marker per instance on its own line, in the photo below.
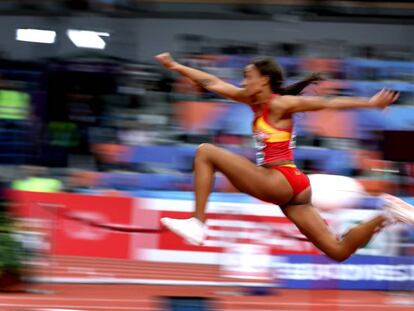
point(339, 255)
point(203, 151)
point(204, 148)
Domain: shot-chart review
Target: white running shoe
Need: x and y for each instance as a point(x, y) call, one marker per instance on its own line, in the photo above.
point(398, 210)
point(191, 229)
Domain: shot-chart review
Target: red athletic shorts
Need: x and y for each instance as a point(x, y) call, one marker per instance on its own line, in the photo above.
point(297, 180)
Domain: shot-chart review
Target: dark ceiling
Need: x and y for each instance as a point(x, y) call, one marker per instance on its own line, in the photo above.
point(310, 10)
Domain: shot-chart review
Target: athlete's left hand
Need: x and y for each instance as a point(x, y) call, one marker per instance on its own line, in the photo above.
point(384, 98)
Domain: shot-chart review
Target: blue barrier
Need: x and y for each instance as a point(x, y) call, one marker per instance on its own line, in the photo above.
point(358, 272)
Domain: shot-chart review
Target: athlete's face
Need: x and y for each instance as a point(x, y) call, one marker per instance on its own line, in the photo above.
point(253, 81)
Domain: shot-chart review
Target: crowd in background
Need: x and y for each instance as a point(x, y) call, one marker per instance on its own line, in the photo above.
point(53, 116)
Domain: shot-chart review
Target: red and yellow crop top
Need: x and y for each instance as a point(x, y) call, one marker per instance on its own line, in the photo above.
point(272, 144)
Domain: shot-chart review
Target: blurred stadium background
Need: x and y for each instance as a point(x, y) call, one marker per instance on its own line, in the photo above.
point(95, 137)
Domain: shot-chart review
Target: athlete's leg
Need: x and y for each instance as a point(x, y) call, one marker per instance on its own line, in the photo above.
point(310, 223)
point(259, 182)
point(263, 183)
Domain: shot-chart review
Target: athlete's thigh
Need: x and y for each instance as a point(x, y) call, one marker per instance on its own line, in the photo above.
point(308, 220)
point(263, 183)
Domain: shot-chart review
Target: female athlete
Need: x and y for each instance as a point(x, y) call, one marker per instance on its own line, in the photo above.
point(275, 178)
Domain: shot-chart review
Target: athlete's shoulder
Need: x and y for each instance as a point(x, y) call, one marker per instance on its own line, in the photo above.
point(278, 107)
point(279, 99)
point(281, 102)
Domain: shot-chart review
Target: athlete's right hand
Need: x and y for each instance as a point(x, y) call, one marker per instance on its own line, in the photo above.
point(383, 98)
point(166, 60)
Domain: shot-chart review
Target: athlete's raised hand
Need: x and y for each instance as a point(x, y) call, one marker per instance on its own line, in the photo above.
point(383, 98)
point(166, 60)
point(204, 79)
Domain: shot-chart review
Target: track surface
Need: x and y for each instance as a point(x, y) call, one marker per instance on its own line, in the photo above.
point(82, 297)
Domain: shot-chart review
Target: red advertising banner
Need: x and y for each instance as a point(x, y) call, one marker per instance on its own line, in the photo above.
point(72, 237)
point(229, 225)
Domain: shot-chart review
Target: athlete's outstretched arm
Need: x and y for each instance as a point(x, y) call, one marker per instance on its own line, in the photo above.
point(380, 100)
point(206, 80)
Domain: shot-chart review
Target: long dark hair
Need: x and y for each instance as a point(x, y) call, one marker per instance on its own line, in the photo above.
point(269, 67)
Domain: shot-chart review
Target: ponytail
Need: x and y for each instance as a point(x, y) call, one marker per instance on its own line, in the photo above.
point(297, 88)
point(269, 67)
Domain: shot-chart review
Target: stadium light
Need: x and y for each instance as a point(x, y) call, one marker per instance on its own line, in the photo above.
point(87, 39)
point(35, 35)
